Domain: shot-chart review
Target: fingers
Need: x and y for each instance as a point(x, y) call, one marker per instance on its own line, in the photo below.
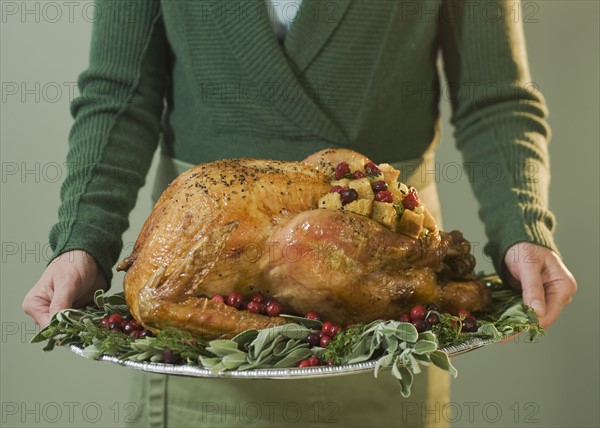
point(534, 293)
point(560, 288)
point(64, 294)
point(36, 305)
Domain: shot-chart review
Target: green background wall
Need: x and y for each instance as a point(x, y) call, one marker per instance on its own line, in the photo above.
point(551, 383)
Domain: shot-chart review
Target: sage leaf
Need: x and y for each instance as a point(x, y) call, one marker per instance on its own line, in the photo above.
point(424, 347)
point(407, 332)
point(441, 360)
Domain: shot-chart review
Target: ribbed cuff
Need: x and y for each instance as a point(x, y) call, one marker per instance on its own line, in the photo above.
point(66, 236)
point(518, 230)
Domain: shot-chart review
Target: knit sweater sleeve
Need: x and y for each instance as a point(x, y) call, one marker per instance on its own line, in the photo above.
point(499, 117)
point(115, 131)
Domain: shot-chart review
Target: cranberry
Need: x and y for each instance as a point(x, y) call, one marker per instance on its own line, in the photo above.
point(113, 326)
point(333, 330)
point(105, 322)
point(235, 300)
point(341, 170)
point(463, 313)
point(336, 189)
point(257, 297)
point(432, 307)
point(329, 361)
point(358, 174)
point(326, 327)
point(218, 298)
point(379, 186)
point(313, 339)
point(348, 195)
point(404, 318)
point(128, 328)
point(371, 169)
point(420, 325)
point(115, 318)
point(411, 201)
point(324, 341)
point(418, 313)
point(314, 360)
point(432, 319)
point(384, 196)
point(170, 357)
point(136, 325)
point(136, 334)
point(270, 301)
point(254, 307)
point(146, 333)
point(273, 310)
point(304, 363)
point(312, 316)
point(469, 325)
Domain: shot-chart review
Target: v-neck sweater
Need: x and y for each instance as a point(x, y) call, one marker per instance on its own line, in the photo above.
point(209, 80)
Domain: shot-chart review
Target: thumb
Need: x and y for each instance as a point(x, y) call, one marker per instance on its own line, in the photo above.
point(533, 289)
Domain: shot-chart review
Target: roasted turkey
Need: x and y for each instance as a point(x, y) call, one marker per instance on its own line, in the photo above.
point(254, 225)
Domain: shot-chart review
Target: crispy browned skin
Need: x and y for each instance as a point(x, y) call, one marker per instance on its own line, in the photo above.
point(251, 225)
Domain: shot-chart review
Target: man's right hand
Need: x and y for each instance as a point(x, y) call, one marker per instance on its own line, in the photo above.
point(69, 281)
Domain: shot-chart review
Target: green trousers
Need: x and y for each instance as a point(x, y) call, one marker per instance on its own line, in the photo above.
point(357, 400)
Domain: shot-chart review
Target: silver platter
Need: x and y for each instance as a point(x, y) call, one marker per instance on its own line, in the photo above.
point(289, 373)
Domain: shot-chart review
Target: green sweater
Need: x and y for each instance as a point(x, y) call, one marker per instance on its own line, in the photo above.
point(209, 80)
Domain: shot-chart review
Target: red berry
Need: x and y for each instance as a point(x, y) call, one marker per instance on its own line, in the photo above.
point(273, 310)
point(358, 174)
point(463, 313)
point(333, 330)
point(384, 196)
point(270, 301)
point(314, 360)
point(136, 334)
point(304, 363)
point(411, 201)
point(105, 322)
point(348, 195)
point(136, 325)
point(218, 298)
point(469, 325)
point(313, 339)
point(432, 319)
point(312, 316)
point(257, 297)
point(418, 313)
point(326, 327)
point(371, 169)
point(324, 341)
point(254, 307)
point(329, 362)
point(341, 170)
point(379, 186)
point(170, 357)
point(404, 318)
point(235, 300)
point(128, 327)
point(420, 325)
point(113, 326)
point(146, 333)
point(336, 189)
point(115, 319)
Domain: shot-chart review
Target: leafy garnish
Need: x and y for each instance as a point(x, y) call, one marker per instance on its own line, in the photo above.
point(392, 344)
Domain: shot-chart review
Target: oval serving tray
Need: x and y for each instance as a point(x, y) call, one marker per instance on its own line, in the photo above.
point(284, 373)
